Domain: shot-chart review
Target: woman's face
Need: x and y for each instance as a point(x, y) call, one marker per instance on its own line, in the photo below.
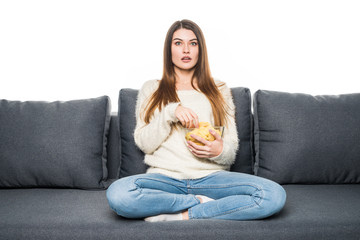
point(184, 49)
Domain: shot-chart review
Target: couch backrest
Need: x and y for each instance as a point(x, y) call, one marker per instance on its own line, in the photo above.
point(113, 148)
point(300, 138)
point(132, 158)
point(54, 144)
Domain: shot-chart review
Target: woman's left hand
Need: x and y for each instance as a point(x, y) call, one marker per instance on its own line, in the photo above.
point(210, 148)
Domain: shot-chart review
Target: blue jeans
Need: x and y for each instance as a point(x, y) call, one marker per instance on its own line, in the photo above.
point(238, 196)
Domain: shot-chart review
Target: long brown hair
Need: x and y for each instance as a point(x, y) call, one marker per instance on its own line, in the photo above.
point(166, 92)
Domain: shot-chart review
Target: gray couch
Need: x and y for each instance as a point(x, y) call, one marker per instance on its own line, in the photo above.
point(58, 158)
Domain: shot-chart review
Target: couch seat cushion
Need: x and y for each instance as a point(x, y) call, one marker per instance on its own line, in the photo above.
point(311, 212)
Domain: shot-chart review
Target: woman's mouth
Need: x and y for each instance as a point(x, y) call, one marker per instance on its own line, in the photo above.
point(186, 59)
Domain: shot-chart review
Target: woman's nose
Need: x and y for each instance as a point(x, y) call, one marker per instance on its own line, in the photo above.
point(186, 49)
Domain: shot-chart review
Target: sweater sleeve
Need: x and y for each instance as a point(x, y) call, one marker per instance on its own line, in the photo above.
point(148, 137)
point(230, 137)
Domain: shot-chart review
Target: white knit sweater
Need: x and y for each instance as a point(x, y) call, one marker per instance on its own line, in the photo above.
point(165, 149)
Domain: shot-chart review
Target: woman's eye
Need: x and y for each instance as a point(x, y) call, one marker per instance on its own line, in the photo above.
point(177, 43)
point(193, 43)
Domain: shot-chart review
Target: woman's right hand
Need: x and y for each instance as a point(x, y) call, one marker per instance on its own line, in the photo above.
point(187, 117)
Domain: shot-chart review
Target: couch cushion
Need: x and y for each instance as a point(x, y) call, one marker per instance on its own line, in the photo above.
point(113, 148)
point(311, 212)
point(132, 157)
point(54, 144)
point(301, 138)
point(244, 124)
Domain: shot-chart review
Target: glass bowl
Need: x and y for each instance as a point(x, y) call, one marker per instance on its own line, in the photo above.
point(204, 133)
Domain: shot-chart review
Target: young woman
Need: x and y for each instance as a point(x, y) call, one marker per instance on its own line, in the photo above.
point(185, 180)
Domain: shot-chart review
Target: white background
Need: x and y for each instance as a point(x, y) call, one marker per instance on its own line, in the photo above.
point(73, 49)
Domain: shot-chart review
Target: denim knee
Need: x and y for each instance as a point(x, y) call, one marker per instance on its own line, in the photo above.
point(120, 198)
point(274, 200)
